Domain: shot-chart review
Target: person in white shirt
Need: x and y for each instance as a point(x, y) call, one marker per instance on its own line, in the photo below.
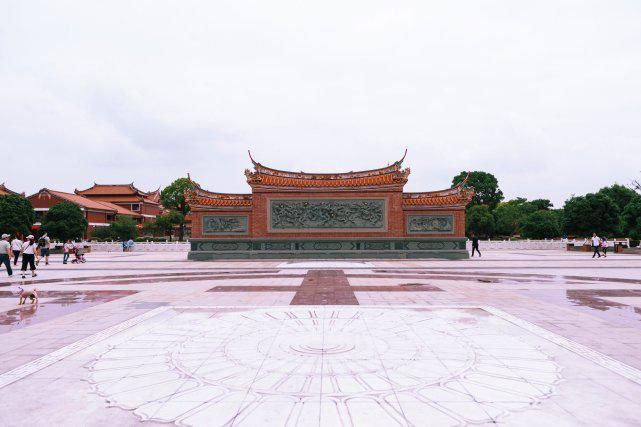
point(596, 244)
point(29, 251)
point(16, 247)
point(67, 249)
point(5, 253)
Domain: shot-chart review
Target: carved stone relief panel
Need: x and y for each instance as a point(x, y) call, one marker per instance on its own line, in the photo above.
point(433, 224)
point(327, 214)
point(225, 224)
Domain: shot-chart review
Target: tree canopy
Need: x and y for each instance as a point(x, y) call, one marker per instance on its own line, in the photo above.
point(123, 228)
point(542, 224)
point(486, 188)
point(509, 215)
point(479, 220)
point(619, 194)
point(64, 221)
point(631, 219)
point(172, 197)
point(16, 215)
point(592, 213)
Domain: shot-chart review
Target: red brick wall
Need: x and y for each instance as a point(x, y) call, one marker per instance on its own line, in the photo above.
point(396, 216)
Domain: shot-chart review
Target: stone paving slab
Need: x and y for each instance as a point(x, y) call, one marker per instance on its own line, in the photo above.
point(591, 304)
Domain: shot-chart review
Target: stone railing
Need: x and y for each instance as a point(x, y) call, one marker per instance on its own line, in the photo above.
point(141, 247)
point(491, 245)
point(488, 245)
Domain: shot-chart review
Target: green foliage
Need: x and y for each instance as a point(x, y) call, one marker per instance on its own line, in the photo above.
point(619, 194)
point(165, 223)
point(486, 188)
point(631, 218)
point(542, 224)
point(123, 228)
point(172, 197)
point(16, 215)
point(509, 215)
point(479, 220)
point(64, 221)
point(102, 233)
point(592, 213)
point(541, 204)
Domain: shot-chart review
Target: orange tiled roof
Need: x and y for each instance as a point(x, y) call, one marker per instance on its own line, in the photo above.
point(263, 176)
point(81, 201)
point(4, 191)
point(459, 195)
point(200, 197)
point(117, 190)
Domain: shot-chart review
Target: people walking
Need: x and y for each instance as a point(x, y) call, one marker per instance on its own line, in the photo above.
point(29, 251)
point(475, 245)
point(5, 253)
point(596, 245)
point(44, 244)
point(604, 246)
point(67, 249)
point(16, 247)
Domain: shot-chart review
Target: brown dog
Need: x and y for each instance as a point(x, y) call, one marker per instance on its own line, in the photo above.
point(32, 295)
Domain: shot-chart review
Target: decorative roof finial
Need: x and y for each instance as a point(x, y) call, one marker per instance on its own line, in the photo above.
point(400, 162)
point(251, 158)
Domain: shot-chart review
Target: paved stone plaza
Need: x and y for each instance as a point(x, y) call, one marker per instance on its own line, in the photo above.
point(517, 337)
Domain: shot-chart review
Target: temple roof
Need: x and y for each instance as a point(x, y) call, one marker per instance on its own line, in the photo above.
point(203, 198)
point(111, 190)
point(4, 191)
point(385, 177)
point(458, 196)
point(85, 202)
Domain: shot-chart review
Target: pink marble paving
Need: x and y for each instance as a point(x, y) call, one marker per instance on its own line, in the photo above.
point(593, 303)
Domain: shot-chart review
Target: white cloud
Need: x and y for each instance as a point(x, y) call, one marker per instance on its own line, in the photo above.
point(545, 95)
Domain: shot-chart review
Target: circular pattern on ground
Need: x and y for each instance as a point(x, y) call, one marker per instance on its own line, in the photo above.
point(349, 364)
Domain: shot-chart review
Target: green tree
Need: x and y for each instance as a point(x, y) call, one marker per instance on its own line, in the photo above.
point(123, 228)
point(486, 188)
point(164, 223)
point(631, 219)
point(16, 215)
point(542, 224)
point(541, 204)
point(509, 215)
point(479, 220)
point(172, 197)
point(64, 221)
point(592, 213)
point(102, 233)
point(619, 194)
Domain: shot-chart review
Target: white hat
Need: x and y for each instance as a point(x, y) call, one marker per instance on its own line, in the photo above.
point(30, 236)
point(4, 236)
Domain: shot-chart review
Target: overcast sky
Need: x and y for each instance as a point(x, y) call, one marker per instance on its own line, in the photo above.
point(546, 95)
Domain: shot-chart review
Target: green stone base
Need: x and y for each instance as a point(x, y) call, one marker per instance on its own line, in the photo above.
point(391, 248)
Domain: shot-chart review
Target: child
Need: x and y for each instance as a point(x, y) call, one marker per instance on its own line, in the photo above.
point(604, 246)
point(66, 249)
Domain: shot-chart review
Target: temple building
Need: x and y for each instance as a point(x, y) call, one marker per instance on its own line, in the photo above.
point(97, 213)
point(4, 191)
point(145, 204)
point(361, 214)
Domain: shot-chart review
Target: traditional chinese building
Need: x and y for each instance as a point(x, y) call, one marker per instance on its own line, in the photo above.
point(361, 214)
point(97, 213)
point(4, 191)
point(145, 204)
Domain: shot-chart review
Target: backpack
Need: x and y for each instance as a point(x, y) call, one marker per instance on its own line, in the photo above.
point(42, 242)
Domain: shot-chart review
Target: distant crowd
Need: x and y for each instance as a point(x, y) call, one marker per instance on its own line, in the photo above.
point(33, 251)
